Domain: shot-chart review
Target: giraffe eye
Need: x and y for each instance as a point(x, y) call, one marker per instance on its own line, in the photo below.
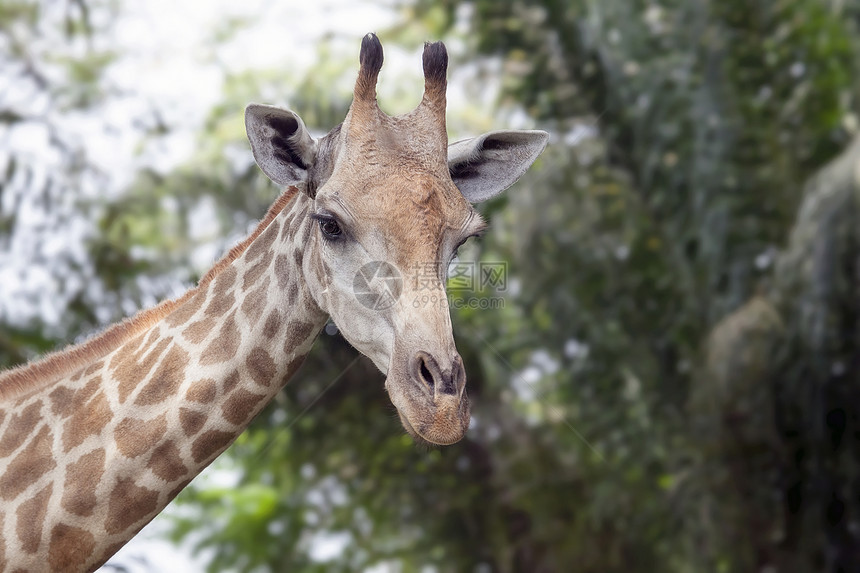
point(329, 227)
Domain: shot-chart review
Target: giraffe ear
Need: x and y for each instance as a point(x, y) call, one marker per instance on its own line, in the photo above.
point(484, 166)
point(280, 142)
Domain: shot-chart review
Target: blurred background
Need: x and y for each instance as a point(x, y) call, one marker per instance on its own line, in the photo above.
point(672, 382)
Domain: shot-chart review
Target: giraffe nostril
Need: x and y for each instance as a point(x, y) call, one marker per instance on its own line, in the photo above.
point(426, 375)
point(439, 382)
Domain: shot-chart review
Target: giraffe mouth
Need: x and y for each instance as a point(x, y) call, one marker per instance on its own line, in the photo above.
point(434, 422)
point(432, 436)
point(416, 437)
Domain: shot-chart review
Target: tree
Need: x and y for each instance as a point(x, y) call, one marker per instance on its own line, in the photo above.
point(51, 70)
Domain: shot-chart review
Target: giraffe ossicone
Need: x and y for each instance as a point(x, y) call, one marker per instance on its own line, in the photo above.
point(96, 439)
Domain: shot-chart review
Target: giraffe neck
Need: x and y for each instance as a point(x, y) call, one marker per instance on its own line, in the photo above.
point(87, 461)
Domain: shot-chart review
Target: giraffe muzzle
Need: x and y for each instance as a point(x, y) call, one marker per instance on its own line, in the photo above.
point(431, 400)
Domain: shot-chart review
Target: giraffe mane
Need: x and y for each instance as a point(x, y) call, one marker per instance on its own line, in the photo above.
point(33, 376)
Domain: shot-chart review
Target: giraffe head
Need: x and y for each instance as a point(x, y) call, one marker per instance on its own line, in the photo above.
point(391, 201)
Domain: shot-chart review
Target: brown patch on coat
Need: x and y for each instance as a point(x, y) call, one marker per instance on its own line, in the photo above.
point(221, 301)
point(56, 365)
point(77, 375)
point(298, 331)
point(167, 378)
point(191, 421)
point(273, 324)
point(198, 331)
point(31, 516)
point(283, 270)
point(30, 464)
point(253, 274)
point(70, 548)
point(151, 338)
point(86, 421)
point(94, 368)
point(188, 309)
point(61, 400)
point(225, 345)
point(166, 463)
point(129, 349)
point(262, 244)
point(288, 224)
point(66, 401)
point(210, 444)
point(261, 367)
point(132, 371)
point(239, 407)
point(82, 477)
point(297, 257)
point(224, 282)
point(293, 293)
point(136, 437)
point(231, 382)
point(203, 391)
point(255, 303)
point(265, 242)
point(303, 234)
point(20, 427)
point(128, 504)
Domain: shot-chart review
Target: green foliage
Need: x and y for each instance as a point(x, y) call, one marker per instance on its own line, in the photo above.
point(708, 116)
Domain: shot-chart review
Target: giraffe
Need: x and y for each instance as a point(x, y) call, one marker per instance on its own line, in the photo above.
point(97, 439)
